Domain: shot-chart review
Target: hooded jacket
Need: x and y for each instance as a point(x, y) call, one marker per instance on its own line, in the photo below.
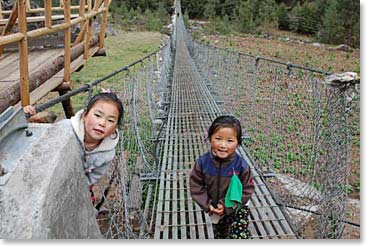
point(95, 162)
point(210, 178)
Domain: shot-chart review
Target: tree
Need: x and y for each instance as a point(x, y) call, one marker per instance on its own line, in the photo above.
point(340, 23)
point(349, 13)
point(195, 8)
point(283, 18)
point(267, 13)
point(209, 10)
point(304, 18)
point(244, 17)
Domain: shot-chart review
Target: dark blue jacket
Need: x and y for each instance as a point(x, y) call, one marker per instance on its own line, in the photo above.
point(210, 178)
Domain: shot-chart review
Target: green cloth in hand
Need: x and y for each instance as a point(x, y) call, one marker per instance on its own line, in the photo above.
point(234, 193)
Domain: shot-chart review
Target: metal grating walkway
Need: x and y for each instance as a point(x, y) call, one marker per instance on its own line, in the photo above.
point(192, 109)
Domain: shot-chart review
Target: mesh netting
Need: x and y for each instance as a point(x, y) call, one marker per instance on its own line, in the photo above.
point(129, 186)
point(298, 130)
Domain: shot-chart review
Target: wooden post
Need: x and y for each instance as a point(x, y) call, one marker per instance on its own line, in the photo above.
point(81, 8)
point(28, 5)
point(81, 34)
point(96, 4)
point(89, 32)
point(1, 11)
point(11, 21)
point(9, 26)
point(23, 54)
point(102, 32)
point(67, 106)
point(48, 6)
point(67, 41)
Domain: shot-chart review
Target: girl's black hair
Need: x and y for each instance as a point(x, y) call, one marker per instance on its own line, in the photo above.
point(107, 96)
point(226, 121)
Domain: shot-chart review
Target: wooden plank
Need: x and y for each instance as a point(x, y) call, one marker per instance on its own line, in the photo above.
point(9, 67)
point(6, 55)
point(32, 19)
point(39, 10)
point(55, 81)
point(36, 60)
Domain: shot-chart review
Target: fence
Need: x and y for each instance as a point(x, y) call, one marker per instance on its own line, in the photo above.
point(302, 130)
point(129, 188)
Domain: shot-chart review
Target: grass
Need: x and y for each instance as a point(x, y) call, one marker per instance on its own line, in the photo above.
point(122, 49)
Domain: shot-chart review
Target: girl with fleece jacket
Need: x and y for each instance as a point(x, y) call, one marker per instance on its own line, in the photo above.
point(96, 129)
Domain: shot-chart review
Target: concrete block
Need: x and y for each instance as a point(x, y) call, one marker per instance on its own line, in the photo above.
point(46, 196)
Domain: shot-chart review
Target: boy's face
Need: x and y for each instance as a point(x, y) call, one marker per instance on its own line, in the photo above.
point(224, 142)
point(101, 121)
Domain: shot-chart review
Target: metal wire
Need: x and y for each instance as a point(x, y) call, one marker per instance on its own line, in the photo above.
point(299, 129)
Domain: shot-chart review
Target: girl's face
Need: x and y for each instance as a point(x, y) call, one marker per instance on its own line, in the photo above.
point(100, 121)
point(224, 142)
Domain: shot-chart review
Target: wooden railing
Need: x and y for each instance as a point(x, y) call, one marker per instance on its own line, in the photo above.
point(20, 15)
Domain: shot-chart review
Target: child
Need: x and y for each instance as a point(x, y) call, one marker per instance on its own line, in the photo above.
point(96, 130)
point(212, 174)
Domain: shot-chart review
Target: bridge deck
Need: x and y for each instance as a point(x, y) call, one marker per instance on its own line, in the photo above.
point(192, 109)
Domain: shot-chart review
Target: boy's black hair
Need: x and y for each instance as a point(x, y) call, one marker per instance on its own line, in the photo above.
point(226, 121)
point(107, 96)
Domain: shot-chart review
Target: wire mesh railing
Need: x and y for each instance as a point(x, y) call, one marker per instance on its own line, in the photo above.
point(145, 94)
point(299, 130)
point(143, 87)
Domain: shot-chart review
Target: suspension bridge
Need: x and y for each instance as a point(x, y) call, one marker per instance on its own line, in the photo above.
point(298, 139)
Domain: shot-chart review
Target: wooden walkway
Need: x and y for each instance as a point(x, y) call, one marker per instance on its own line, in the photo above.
point(192, 110)
point(37, 59)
